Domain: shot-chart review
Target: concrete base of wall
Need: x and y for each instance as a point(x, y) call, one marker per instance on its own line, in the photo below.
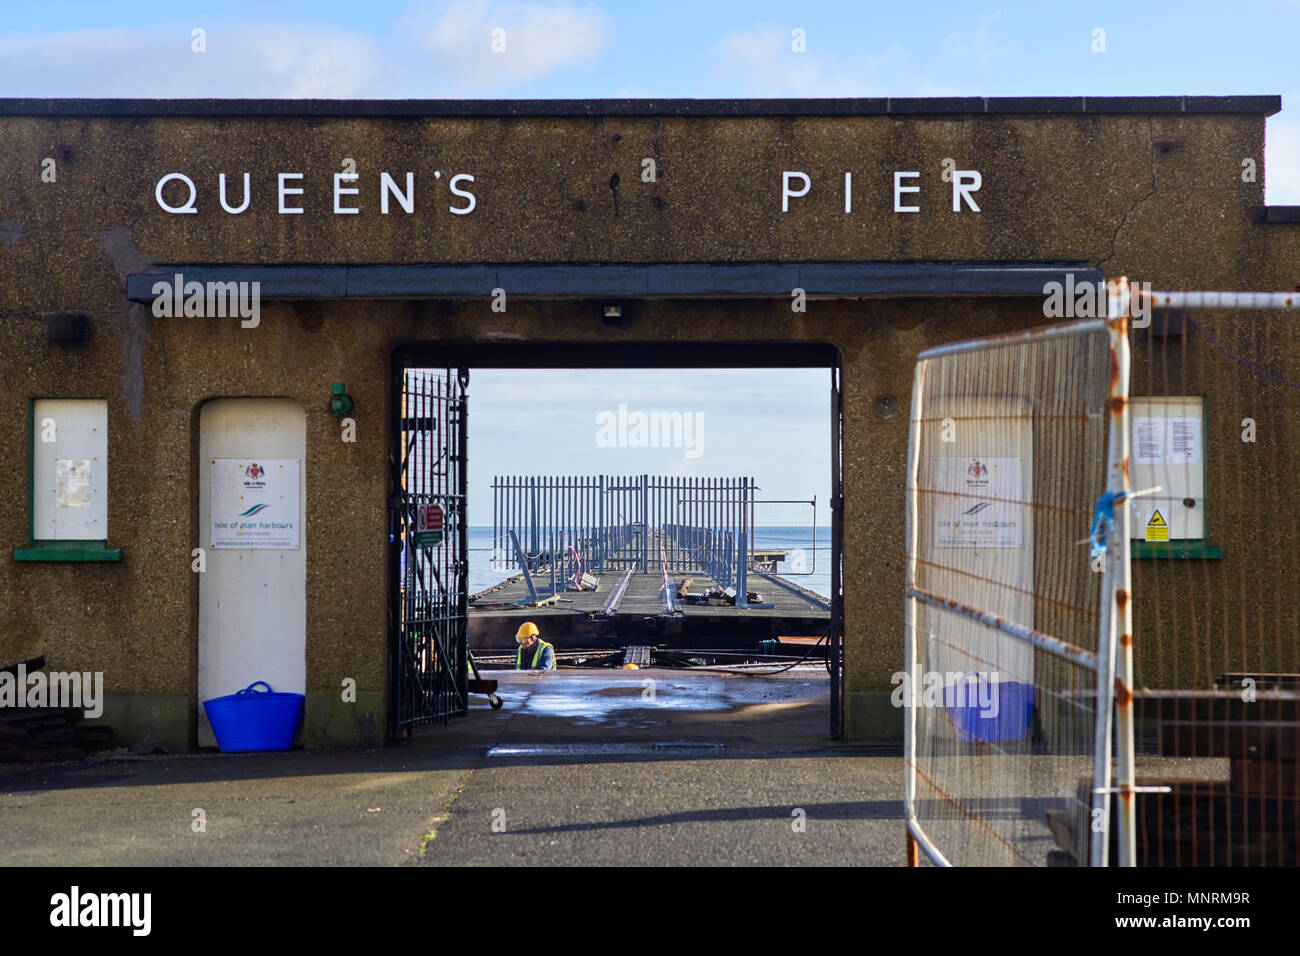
point(148, 722)
point(329, 722)
point(872, 718)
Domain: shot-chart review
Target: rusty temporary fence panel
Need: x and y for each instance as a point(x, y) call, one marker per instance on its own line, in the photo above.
point(1215, 655)
point(428, 532)
point(1008, 677)
point(978, 792)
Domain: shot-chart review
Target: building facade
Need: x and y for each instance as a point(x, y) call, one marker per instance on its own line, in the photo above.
point(849, 233)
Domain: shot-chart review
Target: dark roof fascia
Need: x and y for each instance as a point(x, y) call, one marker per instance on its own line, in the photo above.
point(1264, 105)
point(625, 280)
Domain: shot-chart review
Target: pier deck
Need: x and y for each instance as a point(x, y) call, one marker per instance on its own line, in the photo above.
point(578, 618)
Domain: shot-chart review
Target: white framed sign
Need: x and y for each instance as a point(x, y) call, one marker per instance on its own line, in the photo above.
point(976, 530)
point(988, 509)
point(1168, 453)
point(70, 469)
point(254, 504)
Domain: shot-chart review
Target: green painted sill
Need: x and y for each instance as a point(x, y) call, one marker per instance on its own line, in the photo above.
point(67, 551)
point(1174, 549)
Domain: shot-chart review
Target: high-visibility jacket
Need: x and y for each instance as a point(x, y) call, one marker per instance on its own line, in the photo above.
point(543, 657)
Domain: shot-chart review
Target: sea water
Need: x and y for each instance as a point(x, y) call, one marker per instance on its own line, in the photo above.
point(807, 563)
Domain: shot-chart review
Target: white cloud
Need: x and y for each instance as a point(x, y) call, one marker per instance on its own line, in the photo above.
point(278, 60)
point(761, 62)
point(538, 38)
point(975, 51)
point(308, 59)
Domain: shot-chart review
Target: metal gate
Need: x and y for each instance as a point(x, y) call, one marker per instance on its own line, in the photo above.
point(835, 634)
point(600, 523)
point(429, 542)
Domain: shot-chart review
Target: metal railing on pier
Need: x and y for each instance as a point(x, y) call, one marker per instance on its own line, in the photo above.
point(568, 525)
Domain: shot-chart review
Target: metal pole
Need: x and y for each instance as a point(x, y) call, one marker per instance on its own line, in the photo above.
point(711, 509)
point(462, 514)
point(532, 485)
point(523, 567)
point(835, 641)
point(1223, 300)
point(645, 524)
point(1112, 571)
point(1122, 616)
point(552, 509)
point(742, 558)
point(730, 518)
point(749, 486)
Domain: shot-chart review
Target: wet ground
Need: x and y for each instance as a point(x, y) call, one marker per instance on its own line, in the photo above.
point(650, 767)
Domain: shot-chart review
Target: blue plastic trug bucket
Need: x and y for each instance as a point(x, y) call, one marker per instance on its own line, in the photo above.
point(1008, 714)
point(255, 720)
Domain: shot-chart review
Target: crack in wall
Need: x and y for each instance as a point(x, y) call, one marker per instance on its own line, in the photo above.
point(1151, 160)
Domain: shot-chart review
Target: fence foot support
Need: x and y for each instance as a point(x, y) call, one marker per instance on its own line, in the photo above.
point(913, 858)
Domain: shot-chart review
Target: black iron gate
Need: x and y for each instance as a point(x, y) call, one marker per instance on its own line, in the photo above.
point(835, 636)
point(429, 542)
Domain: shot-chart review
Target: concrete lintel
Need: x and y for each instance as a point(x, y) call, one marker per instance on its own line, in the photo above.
point(628, 281)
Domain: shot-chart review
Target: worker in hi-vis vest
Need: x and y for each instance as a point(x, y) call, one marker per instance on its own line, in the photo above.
point(541, 655)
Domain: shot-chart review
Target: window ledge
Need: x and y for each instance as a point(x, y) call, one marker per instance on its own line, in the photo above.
point(67, 551)
point(1174, 549)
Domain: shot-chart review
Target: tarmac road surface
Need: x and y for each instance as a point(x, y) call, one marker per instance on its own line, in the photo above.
point(578, 768)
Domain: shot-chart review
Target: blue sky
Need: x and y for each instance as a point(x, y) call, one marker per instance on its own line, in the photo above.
point(556, 48)
point(559, 48)
point(770, 424)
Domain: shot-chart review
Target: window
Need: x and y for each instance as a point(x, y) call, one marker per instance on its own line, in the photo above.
point(1167, 450)
point(68, 482)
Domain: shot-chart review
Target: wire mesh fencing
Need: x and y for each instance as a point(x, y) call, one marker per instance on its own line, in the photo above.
point(1215, 411)
point(1007, 697)
point(1194, 644)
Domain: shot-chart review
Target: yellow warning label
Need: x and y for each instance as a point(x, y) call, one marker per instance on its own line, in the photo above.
point(1157, 527)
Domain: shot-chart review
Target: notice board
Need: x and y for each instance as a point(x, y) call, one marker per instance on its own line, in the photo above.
point(1167, 450)
point(254, 503)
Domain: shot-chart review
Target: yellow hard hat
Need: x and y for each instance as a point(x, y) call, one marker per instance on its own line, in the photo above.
point(527, 629)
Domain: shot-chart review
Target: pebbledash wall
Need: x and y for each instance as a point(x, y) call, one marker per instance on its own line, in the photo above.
point(751, 192)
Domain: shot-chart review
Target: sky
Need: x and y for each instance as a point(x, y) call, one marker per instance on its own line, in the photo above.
point(773, 425)
point(665, 48)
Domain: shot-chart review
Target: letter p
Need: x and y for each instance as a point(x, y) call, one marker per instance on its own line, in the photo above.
point(787, 193)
